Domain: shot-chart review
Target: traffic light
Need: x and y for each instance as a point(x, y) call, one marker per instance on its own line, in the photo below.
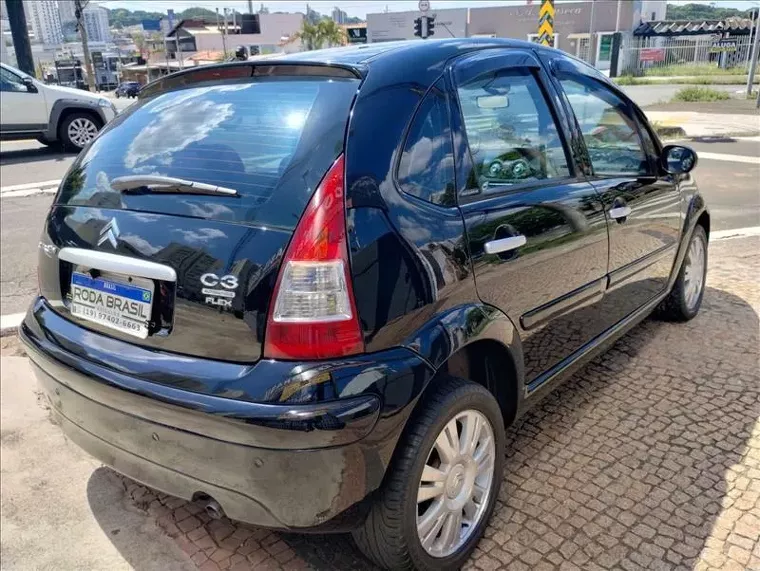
point(430, 25)
point(418, 27)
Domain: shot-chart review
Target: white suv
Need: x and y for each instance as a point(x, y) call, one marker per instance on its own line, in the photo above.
point(29, 109)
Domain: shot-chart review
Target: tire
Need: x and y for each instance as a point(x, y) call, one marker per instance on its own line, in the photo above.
point(389, 535)
point(72, 141)
point(684, 301)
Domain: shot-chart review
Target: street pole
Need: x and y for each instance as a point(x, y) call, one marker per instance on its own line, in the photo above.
point(17, 20)
point(179, 49)
point(224, 33)
point(79, 6)
point(592, 44)
point(617, 16)
point(753, 62)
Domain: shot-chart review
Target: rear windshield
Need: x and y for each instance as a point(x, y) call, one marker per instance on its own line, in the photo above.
point(271, 139)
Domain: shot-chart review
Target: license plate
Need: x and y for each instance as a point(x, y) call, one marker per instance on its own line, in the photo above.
point(119, 306)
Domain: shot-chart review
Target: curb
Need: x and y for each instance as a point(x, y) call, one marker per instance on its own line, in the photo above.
point(678, 132)
point(9, 324)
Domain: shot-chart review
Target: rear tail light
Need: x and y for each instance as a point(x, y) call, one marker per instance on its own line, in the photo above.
point(313, 315)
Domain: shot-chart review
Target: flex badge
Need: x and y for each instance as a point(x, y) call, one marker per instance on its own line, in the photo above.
point(219, 291)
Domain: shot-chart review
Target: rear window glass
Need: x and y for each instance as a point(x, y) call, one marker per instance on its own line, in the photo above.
point(269, 139)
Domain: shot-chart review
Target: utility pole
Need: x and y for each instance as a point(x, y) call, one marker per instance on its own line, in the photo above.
point(591, 44)
point(753, 60)
point(250, 6)
point(79, 6)
point(224, 33)
point(17, 20)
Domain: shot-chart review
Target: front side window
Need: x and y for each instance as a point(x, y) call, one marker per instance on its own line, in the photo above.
point(426, 168)
point(11, 82)
point(611, 136)
point(510, 130)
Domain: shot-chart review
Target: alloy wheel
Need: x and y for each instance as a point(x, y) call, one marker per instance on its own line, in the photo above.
point(81, 131)
point(455, 486)
point(694, 272)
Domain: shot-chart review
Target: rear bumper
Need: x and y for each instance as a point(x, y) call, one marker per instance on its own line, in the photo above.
point(263, 463)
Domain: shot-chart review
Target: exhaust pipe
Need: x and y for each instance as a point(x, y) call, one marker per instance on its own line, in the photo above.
point(213, 509)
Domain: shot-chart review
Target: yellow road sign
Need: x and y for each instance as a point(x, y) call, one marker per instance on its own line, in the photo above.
point(546, 23)
point(547, 9)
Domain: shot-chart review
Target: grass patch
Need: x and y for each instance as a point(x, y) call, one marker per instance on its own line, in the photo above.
point(697, 80)
point(700, 94)
point(691, 69)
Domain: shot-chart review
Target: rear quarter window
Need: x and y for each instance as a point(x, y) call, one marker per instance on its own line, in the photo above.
point(270, 139)
point(426, 168)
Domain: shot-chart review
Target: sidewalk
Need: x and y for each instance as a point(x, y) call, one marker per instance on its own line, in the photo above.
point(696, 124)
point(735, 117)
point(60, 509)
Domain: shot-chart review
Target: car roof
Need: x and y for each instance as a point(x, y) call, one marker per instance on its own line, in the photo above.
point(366, 54)
point(350, 60)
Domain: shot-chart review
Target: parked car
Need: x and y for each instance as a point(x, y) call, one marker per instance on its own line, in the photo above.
point(312, 292)
point(49, 113)
point(128, 89)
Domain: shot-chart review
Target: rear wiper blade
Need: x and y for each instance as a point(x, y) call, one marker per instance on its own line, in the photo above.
point(168, 184)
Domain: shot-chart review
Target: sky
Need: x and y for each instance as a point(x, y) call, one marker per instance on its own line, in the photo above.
point(358, 8)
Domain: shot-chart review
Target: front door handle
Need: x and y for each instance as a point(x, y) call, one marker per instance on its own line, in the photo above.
point(620, 212)
point(504, 244)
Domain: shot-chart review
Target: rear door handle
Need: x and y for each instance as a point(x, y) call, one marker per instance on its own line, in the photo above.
point(504, 244)
point(620, 212)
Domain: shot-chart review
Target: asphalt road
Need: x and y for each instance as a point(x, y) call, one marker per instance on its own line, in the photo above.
point(730, 188)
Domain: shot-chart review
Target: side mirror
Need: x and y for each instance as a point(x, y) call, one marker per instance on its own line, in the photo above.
point(676, 159)
point(30, 87)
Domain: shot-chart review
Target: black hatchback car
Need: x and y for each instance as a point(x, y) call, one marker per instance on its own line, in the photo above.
point(313, 291)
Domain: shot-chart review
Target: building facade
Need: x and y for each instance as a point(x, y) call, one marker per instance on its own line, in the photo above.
point(67, 11)
point(45, 21)
point(583, 29)
point(96, 23)
point(339, 16)
point(394, 26)
point(277, 35)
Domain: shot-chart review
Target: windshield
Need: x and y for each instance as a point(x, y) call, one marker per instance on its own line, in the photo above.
point(269, 139)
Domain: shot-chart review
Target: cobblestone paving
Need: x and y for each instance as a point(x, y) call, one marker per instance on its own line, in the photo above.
point(649, 458)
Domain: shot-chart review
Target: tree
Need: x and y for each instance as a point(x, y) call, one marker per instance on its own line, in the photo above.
point(79, 6)
point(703, 12)
point(331, 33)
point(208, 16)
point(139, 40)
point(314, 36)
point(309, 36)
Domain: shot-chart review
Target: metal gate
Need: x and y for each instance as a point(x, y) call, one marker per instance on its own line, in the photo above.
point(692, 55)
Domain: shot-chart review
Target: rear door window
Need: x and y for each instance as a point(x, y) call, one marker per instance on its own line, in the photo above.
point(510, 130)
point(271, 139)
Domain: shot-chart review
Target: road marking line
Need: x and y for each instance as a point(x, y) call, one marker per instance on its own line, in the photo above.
point(730, 158)
point(735, 233)
point(30, 186)
point(9, 323)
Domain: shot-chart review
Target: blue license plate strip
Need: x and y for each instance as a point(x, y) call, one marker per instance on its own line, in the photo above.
point(106, 286)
